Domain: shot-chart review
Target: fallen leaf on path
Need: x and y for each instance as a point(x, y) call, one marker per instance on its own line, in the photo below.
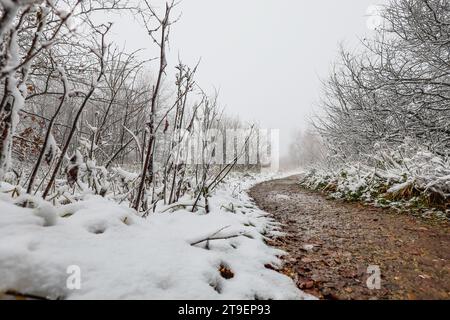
point(307, 284)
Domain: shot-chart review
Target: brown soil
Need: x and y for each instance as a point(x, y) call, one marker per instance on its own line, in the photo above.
point(332, 243)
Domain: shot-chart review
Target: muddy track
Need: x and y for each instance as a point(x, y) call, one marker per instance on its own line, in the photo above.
point(332, 243)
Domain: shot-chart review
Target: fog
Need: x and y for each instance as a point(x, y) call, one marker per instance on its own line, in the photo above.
point(266, 57)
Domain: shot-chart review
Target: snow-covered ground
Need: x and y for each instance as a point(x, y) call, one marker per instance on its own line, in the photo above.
point(115, 254)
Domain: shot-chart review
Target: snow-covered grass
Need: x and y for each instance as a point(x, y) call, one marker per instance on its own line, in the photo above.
point(124, 256)
point(404, 179)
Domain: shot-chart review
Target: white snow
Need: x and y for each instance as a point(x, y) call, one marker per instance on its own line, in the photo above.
point(398, 187)
point(51, 149)
point(125, 175)
point(123, 256)
point(17, 103)
point(393, 172)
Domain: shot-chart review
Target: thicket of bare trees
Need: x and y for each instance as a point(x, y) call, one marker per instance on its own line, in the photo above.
point(398, 87)
point(386, 112)
point(75, 110)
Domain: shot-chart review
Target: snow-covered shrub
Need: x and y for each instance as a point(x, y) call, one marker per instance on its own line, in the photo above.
point(406, 177)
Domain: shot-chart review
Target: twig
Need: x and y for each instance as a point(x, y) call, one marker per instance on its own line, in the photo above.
point(214, 236)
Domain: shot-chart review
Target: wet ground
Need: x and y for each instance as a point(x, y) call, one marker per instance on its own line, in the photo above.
point(331, 245)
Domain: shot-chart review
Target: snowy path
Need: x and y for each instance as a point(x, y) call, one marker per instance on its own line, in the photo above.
point(332, 243)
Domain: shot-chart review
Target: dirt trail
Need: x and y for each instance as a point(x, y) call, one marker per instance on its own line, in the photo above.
point(332, 243)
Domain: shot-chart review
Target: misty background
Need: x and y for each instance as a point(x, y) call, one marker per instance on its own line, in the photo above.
point(265, 57)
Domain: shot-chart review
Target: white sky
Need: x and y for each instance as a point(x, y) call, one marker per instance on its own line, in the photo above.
point(265, 56)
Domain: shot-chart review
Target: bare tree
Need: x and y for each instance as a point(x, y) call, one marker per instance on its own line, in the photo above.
point(397, 88)
point(163, 26)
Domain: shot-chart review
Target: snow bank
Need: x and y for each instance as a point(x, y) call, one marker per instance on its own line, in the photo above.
point(123, 256)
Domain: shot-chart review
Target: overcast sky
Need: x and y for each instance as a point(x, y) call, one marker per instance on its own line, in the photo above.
point(265, 56)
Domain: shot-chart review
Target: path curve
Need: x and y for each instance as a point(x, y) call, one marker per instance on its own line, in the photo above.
point(332, 243)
